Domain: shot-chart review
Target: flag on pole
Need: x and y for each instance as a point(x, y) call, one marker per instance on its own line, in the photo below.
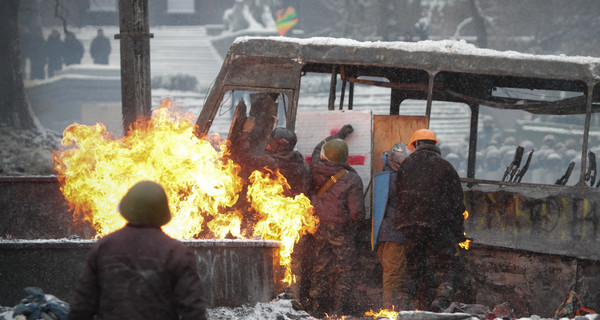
point(285, 20)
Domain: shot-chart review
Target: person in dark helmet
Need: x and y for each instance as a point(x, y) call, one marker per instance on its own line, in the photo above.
point(138, 272)
point(339, 204)
point(430, 217)
point(279, 154)
point(389, 242)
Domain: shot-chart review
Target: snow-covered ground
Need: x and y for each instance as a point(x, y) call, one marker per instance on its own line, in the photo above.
point(278, 309)
point(282, 309)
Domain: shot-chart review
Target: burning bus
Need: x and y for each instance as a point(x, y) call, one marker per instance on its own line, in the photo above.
point(536, 95)
point(534, 228)
point(531, 206)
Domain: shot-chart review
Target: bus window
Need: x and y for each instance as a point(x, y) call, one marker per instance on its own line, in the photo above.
point(547, 146)
point(256, 103)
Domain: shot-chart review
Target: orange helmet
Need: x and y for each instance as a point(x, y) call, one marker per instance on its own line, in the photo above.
point(421, 134)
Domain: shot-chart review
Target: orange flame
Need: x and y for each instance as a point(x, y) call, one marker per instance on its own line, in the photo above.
point(334, 317)
point(96, 171)
point(383, 313)
point(281, 218)
point(201, 182)
point(467, 243)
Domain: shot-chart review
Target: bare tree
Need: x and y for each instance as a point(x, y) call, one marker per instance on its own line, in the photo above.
point(14, 106)
point(571, 28)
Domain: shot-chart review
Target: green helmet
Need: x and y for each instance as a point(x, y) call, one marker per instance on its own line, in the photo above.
point(335, 150)
point(146, 202)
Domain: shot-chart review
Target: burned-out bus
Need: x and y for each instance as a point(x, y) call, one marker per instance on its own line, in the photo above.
point(530, 184)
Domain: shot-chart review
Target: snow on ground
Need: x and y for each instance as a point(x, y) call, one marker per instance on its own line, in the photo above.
point(275, 310)
point(281, 309)
point(27, 152)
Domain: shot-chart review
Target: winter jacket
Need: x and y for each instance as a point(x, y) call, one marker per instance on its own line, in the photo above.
point(73, 51)
point(138, 272)
point(100, 50)
point(54, 48)
point(430, 194)
point(291, 165)
point(37, 56)
point(343, 202)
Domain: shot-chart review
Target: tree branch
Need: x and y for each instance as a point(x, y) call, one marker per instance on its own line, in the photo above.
point(56, 15)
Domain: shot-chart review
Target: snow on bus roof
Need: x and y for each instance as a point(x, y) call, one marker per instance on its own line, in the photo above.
point(441, 46)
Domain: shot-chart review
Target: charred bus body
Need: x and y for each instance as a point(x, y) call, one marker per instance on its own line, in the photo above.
point(512, 211)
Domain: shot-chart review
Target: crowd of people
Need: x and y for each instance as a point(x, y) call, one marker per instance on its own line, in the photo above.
point(140, 272)
point(550, 158)
point(47, 56)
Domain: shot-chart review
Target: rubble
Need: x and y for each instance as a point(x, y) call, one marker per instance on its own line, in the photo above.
point(47, 306)
point(38, 305)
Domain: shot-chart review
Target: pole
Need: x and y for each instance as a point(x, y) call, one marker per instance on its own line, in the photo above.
point(135, 61)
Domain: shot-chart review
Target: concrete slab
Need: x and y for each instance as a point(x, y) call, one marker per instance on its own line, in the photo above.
point(233, 272)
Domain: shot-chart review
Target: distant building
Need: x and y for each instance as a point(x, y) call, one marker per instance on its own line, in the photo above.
point(314, 15)
point(106, 13)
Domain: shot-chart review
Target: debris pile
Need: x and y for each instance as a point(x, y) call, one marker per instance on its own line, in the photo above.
point(47, 307)
point(38, 305)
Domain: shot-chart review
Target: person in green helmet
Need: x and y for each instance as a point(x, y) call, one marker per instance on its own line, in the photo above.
point(339, 204)
point(139, 272)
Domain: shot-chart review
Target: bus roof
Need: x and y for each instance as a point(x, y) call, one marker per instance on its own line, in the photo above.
point(444, 55)
point(471, 74)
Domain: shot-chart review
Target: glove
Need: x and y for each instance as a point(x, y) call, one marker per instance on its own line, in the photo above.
point(345, 131)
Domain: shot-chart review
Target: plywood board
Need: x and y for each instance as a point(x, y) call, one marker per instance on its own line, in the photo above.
point(314, 126)
point(390, 129)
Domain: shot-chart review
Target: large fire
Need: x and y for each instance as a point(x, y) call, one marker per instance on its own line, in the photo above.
point(96, 170)
point(281, 218)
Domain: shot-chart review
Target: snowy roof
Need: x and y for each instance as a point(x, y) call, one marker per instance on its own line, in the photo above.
point(460, 47)
point(443, 55)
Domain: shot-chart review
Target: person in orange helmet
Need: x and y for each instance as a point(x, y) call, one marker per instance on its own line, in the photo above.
point(430, 217)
